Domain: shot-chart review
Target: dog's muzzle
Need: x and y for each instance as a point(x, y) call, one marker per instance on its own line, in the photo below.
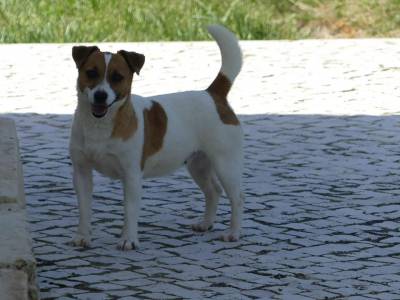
point(99, 110)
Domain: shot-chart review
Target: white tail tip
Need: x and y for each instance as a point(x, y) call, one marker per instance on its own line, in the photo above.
point(231, 54)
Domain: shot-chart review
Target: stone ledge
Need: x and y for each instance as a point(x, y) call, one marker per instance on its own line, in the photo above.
point(13, 284)
point(17, 263)
point(11, 179)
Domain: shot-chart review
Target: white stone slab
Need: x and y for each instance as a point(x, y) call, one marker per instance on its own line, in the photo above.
point(13, 285)
point(11, 179)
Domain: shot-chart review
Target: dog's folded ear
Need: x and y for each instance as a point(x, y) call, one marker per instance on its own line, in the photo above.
point(134, 60)
point(81, 53)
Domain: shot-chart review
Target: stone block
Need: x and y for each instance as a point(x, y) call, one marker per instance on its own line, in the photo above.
point(11, 179)
point(16, 245)
point(13, 285)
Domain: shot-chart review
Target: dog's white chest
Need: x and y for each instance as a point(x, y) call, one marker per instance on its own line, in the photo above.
point(104, 158)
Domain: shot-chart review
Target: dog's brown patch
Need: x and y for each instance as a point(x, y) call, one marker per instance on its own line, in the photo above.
point(95, 62)
point(219, 90)
point(125, 121)
point(119, 76)
point(155, 127)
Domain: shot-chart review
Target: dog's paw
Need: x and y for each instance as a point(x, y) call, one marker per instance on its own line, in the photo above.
point(230, 236)
point(202, 227)
point(126, 244)
point(80, 241)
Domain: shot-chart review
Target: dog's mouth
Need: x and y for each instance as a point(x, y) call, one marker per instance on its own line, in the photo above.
point(99, 110)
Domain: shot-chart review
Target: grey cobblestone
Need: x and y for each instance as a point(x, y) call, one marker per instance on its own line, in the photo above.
point(321, 181)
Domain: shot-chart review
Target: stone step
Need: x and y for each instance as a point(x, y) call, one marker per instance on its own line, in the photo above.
point(13, 285)
point(17, 263)
point(11, 178)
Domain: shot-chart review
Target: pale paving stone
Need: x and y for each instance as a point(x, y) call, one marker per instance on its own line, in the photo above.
point(92, 296)
point(237, 297)
point(363, 297)
point(73, 263)
point(121, 293)
point(159, 296)
point(172, 289)
point(138, 282)
point(197, 284)
point(291, 296)
point(387, 296)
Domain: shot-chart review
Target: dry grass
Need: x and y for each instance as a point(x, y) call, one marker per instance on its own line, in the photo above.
point(352, 19)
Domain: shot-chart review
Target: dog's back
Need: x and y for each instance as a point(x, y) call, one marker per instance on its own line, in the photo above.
point(198, 120)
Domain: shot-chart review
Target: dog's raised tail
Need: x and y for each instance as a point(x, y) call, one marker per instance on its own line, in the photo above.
point(231, 56)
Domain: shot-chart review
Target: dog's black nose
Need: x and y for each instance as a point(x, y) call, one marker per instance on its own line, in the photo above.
point(100, 96)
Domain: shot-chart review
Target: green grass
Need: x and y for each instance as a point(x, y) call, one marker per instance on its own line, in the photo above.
point(26, 21)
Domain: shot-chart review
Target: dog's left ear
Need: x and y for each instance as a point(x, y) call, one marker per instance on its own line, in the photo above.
point(134, 60)
point(81, 53)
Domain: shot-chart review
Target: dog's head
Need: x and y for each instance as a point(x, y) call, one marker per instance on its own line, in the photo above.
point(105, 78)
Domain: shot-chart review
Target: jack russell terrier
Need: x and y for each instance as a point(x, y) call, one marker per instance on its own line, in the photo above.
point(130, 137)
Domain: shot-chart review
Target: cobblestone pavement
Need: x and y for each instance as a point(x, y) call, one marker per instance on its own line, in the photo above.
point(321, 181)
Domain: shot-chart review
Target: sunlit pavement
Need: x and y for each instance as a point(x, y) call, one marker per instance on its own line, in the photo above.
point(322, 177)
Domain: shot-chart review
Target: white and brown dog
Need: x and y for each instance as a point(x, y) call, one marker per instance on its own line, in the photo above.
point(130, 137)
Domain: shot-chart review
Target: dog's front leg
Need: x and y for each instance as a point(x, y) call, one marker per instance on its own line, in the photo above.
point(83, 185)
point(132, 197)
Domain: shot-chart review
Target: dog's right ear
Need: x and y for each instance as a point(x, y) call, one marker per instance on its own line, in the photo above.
point(81, 53)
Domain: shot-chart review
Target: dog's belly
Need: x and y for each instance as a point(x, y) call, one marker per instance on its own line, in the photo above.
point(165, 162)
point(105, 163)
point(108, 166)
point(156, 167)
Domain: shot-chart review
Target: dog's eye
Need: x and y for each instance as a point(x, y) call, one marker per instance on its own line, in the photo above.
point(92, 73)
point(116, 77)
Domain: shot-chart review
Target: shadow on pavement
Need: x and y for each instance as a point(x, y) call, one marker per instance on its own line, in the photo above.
point(321, 192)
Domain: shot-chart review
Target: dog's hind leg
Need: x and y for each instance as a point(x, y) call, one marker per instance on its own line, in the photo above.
point(202, 172)
point(229, 171)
